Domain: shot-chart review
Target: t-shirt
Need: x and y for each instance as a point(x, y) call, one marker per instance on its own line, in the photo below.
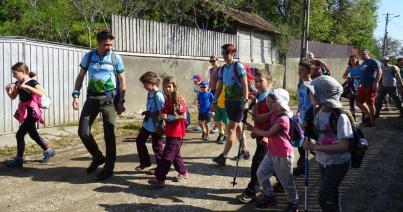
point(101, 73)
point(327, 137)
point(213, 78)
point(279, 145)
point(389, 76)
point(25, 95)
point(233, 86)
point(368, 71)
point(177, 128)
point(155, 102)
point(261, 108)
point(205, 99)
point(355, 74)
point(304, 100)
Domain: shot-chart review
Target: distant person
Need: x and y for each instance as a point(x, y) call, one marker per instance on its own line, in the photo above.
point(28, 113)
point(390, 82)
point(321, 67)
point(204, 100)
point(213, 73)
point(400, 65)
point(369, 84)
point(105, 69)
point(353, 74)
point(233, 81)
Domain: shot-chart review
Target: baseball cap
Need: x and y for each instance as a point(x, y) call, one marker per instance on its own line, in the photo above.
point(385, 58)
point(282, 98)
point(327, 90)
point(197, 78)
point(204, 82)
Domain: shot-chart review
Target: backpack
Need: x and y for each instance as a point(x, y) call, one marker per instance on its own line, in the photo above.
point(296, 132)
point(159, 128)
point(249, 75)
point(45, 101)
point(357, 144)
point(113, 60)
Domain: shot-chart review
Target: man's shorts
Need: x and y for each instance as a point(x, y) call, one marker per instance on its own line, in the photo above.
point(366, 94)
point(221, 115)
point(204, 117)
point(234, 110)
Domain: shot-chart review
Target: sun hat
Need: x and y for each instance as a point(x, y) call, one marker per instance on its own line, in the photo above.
point(327, 90)
point(282, 98)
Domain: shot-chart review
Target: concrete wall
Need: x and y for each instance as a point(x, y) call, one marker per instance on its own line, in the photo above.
point(337, 66)
point(182, 69)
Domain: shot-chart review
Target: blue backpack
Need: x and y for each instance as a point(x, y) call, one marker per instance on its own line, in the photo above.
point(296, 132)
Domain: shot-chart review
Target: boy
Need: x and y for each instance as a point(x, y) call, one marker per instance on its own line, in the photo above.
point(204, 100)
point(220, 118)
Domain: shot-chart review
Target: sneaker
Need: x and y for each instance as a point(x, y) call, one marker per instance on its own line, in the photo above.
point(245, 199)
point(244, 154)
point(206, 137)
point(220, 139)
point(197, 129)
point(47, 155)
point(291, 207)
point(215, 130)
point(94, 165)
point(181, 177)
point(104, 174)
point(156, 183)
point(16, 162)
point(203, 136)
point(141, 167)
point(220, 160)
point(266, 201)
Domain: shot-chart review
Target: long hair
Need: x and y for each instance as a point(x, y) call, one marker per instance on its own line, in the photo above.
point(175, 94)
point(353, 56)
point(22, 67)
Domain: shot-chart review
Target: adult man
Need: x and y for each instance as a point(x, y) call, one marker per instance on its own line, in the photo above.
point(105, 69)
point(369, 82)
point(389, 82)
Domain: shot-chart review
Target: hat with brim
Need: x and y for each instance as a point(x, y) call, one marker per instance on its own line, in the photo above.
point(385, 59)
point(283, 99)
point(326, 90)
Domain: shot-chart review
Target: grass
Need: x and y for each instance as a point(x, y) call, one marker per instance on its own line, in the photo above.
point(69, 141)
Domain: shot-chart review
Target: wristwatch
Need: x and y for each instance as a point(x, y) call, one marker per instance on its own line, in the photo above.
point(75, 94)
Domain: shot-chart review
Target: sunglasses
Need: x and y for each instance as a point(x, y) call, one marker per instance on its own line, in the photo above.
point(212, 61)
point(203, 87)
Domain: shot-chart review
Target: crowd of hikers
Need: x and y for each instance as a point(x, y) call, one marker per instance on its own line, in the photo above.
point(320, 126)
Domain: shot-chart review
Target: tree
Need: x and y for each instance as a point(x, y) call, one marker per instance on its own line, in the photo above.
point(393, 46)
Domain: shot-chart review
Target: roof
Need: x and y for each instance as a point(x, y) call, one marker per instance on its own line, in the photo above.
point(250, 20)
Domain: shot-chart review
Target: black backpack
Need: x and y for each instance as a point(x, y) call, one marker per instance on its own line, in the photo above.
point(357, 144)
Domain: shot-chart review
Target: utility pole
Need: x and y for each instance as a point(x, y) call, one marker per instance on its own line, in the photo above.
point(304, 30)
point(385, 38)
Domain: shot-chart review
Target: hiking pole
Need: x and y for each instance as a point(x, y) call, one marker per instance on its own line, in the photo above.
point(306, 178)
point(245, 117)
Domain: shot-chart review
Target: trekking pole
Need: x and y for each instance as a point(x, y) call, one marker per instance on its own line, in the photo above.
point(306, 178)
point(245, 116)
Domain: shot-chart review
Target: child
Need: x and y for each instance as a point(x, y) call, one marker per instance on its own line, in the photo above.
point(305, 70)
point(197, 78)
point(279, 159)
point(220, 117)
point(332, 145)
point(152, 122)
point(263, 82)
point(28, 112)
point(174, 115)
point(204, 100)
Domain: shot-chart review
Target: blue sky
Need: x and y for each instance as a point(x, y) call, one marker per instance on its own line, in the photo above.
point(395, 27)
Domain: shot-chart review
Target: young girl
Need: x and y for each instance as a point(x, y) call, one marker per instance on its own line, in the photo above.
point(174, 115)
point(279, 159)
point(28, 112)
point(152, 122)
point(332, 146)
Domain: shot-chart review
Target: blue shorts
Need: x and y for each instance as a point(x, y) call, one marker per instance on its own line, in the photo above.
point(234, 110)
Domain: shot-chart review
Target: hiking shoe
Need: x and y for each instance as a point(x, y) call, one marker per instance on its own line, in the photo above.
point(156, 183)
point(291, 207)
point(220, 160)
point(244, 154)
point(266, 201)
point(104, 174)
point(278, 188)
point(181, 177)
point(245, 199)
point(141, 167)
point(16, 162)
point(47, 155)
point(94, 165)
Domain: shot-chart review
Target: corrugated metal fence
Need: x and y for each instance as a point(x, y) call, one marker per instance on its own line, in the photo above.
point(56, 67)
point(320, 50)
point(150, 37)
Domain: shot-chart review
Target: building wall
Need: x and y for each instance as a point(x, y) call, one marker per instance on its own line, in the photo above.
point(256, 47)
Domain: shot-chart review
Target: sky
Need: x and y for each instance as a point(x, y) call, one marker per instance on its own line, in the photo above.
point(395, 26)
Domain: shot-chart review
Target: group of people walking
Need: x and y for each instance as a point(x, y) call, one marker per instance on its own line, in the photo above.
point(226, 98)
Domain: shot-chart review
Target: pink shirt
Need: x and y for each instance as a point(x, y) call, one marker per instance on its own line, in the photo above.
point(279, 145)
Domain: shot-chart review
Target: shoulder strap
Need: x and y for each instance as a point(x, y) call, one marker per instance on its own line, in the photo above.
point(155, 98)
point(113, 60)
point(89, 59)
point(236, 70)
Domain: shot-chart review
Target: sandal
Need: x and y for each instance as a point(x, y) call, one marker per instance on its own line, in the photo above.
point(243, 198)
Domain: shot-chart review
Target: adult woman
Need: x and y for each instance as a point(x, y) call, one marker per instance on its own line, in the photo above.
point(352, 73)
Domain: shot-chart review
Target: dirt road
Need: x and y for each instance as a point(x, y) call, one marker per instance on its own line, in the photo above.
point(63, 185)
